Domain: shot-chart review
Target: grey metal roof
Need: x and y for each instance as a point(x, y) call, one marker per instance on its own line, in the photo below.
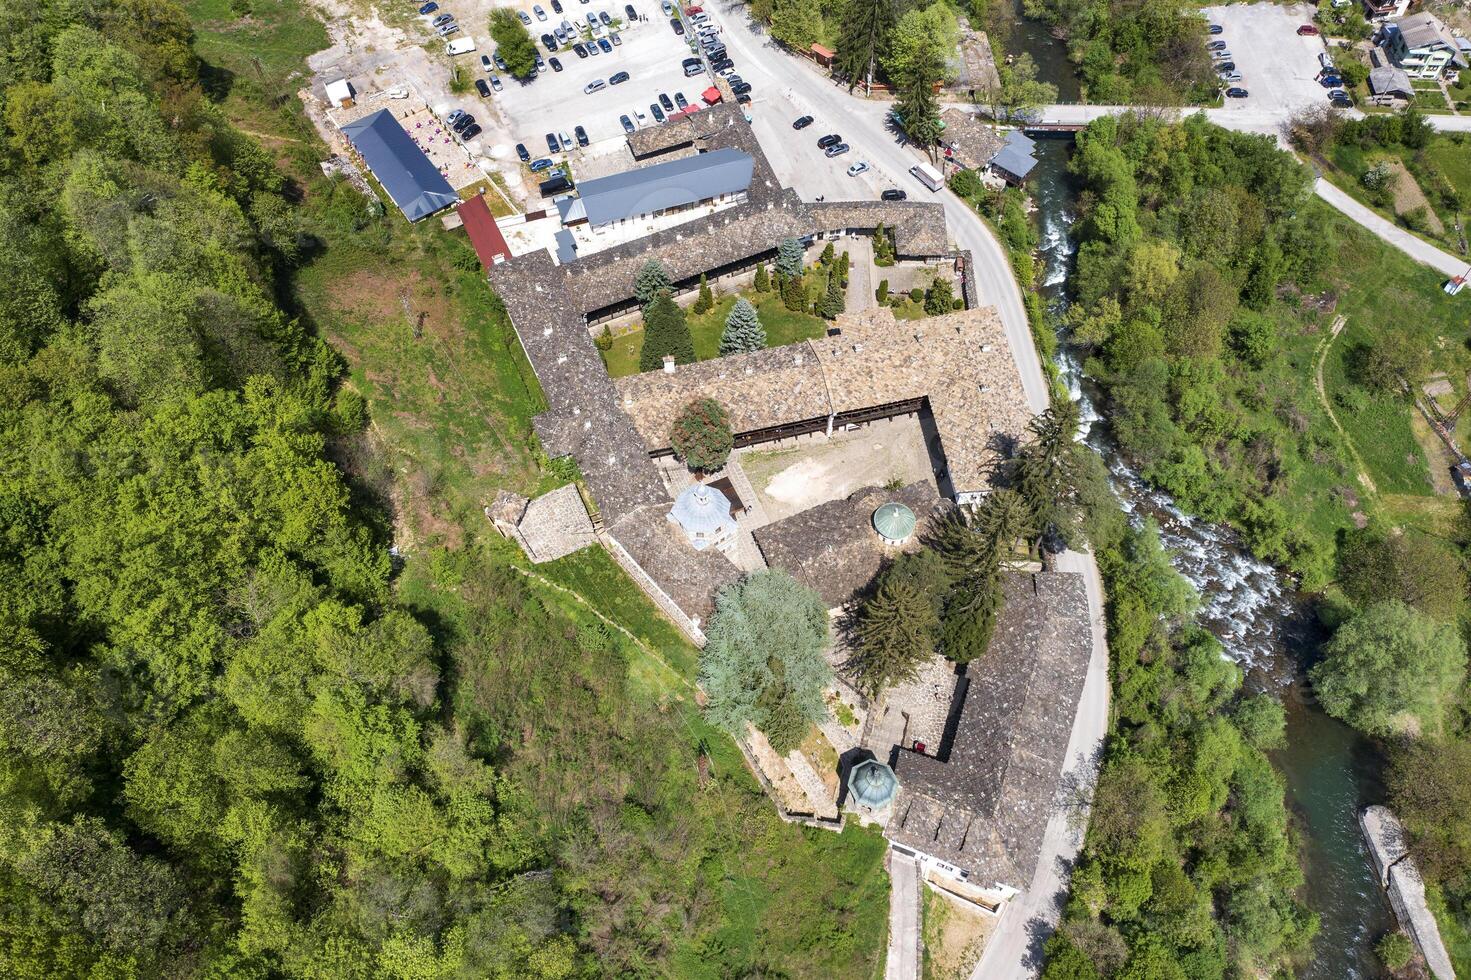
point(1390, 81)
point(566, 247)
point(1014, 160)
point(409, 177)
point(666, 185)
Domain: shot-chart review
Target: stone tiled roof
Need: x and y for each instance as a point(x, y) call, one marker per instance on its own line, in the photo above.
point(555, 525)
point(985, 808)
point(918, 226)
point(960, 361)
point(974, 143)
point(832, 548)
point(689, 577)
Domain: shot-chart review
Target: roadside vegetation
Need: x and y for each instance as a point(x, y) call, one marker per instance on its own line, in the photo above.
point(242, 735)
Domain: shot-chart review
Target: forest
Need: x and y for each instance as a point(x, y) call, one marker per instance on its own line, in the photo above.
point(1211, 311)
point(244, 732)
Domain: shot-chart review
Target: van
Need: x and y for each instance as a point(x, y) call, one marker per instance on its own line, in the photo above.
point(461, 45)
point(596, 85)
point(928, 176)
point(556, 185)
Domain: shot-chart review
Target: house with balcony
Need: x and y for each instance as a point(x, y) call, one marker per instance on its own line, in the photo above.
point(1422, 46)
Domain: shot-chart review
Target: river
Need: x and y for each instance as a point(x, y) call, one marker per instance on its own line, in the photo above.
point(1264, 624)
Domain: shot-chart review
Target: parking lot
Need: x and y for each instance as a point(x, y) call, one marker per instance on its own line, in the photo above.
point(555, 101)
point(1278, 66)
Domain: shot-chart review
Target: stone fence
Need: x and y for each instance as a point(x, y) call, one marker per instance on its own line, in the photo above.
point(1399, 876)
point(651, 588)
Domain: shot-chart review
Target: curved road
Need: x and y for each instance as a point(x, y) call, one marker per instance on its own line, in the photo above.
point(784, 88)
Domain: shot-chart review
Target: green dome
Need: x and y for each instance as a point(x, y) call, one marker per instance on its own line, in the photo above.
point(872, 784)
point(894, 522)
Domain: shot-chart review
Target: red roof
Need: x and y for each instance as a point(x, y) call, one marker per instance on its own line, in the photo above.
point(821, 52)
point(711, 95)
point(485, 234)
point(690, 110)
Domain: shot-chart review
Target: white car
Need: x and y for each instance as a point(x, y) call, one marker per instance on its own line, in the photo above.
point(858, 168)
point(726, 72)
point(540, 14)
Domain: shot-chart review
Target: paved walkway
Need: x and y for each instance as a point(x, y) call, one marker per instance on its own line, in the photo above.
point(904, 953)
point(1415, 248)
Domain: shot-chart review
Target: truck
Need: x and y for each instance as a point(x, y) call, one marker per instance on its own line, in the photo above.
point(462, 45)
point(928, 176)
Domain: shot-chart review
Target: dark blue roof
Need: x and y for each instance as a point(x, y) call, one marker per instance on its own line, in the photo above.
point(409, 177)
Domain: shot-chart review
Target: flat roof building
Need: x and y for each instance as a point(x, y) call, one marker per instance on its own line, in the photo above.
point(410, 178)
point(718, 176)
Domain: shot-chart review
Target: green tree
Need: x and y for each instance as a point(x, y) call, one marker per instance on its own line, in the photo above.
point(1048, 471)
point(743, 331)
point(1395, 951)
point(881, 295)
point(919, 46)
point(763, 658)
point(1430, 790)
point(834, 298)
point(794, 293)
point(789, 258)
point(701, 436)
point(1413, 568)
point(977, 550)
point(895, 631)
point(1020, 90)
point(665, 334)
point(763, 282)
point(1262, 721)
point(863, 39)
point(705, 301)
point(883, 246)
point(796, 24)
point(652, 279)
point(1390, 670)
point(513, 43)
point(938, 298)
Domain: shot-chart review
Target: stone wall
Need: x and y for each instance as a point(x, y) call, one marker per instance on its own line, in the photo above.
point(1398, 875)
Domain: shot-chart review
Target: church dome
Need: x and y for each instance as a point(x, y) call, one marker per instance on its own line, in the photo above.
point(872, 784)
point(703, 513)
point(894, 522)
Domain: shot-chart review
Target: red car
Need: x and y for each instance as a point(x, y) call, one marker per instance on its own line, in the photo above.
point(1308, 30)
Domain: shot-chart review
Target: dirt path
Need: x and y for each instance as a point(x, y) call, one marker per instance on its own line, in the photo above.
point(1333, 333)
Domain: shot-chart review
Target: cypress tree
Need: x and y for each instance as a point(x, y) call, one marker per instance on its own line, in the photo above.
point(789, 258)
point(827, 255)
point(793, 293)
point(938, 298)
point(843, 269)
point(833, 301)
point(743, 331)
point(665, 332)
point(763, 282)
point(651, 278)
point(883, 292)
point(706, 300)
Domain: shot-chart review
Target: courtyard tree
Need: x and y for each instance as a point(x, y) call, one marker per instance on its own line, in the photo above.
point(938, 298)
point(763, 281)
point(794, 293)
point(863, 39)
point(763, 660)
point(701, 435)
point(652, 278)
point(977, 550)
point(665, 334)
point(705, 301)
point(513, 43)
point(834, 300)
point(883, 246)
point(1391, 670)
point(895, 630)
point(743, 331)
point(789, 258)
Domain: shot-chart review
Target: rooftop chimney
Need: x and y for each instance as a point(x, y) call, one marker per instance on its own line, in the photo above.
point(668, 363)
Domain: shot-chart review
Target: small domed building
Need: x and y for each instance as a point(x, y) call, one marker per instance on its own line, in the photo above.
point(872, 785)
point(895, 523)
point(704, 514)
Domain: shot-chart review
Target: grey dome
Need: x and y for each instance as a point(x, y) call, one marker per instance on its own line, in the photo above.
point(872, 784)
point(894, 522)
point(703, 512)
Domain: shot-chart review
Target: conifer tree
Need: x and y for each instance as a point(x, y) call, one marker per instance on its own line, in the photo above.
point(705, 302)
point(743, 331)
point(651, 278)
point(896, 630)
point(938, 298)
point(793, 293)
point(977, 550)
point(843, 264)
point(763, 282)
point(789, 258)
point(833, 301)
point(665, 332)
point(827, 255)
point(883, 292)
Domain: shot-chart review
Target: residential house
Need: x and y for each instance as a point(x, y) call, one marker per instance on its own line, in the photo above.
point(1421, 45)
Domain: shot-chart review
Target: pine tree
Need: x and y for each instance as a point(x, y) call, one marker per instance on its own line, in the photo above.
point(827, 255)
point(843, 269)
point(705, 302)
point(833, 301)
point(763, 282)
point(743, 331)
point(665, 332)
point(793, 293)
point(883, 292)
point(652, 277)
point(977, 551)
point(1047, 470)
point(938, 298)
point(789, 258)
point(896, 631)
point(701, 436)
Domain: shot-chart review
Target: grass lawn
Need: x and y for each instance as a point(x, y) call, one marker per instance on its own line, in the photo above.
point(1453, 931)
point(1448, 154)
point(782, 327)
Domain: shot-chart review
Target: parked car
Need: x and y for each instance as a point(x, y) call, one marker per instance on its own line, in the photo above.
point(616, 38)
point(740, 88)
point(482, 88)
point(1339, 95)
point(1236, 93)
point(603, 16)
point(471, 131)
point(691, 63)
point(858, 168)
point(566, 140)
point(554, 185)
point(540, 14)
point(802, 122)
point(541, 64)
point(692, 70)
point(556, 6)
point(556, 65)
point(1216, 46)
point(1307, 30)
point(837, 150)
point(681, 101)
point(1331, 81)
point(666, 102)
point(628, 126)
point(495, 82)
point(723, 65)
point(893, 194)
point(445, 30)
point(657, 112)
point(596, 85)
point(618, 78)
point(579, 50)
point(1234, 77)
point(1222, 55)
point(629, 13)
point(592, 21)
point(537, 166)
point(743, 99)
point(455, 115)
point(1216, 29)
point(486, 63)
point(552, 143)
point(443, 19)
point(523, 153)
point(831, 139)
point(525, 17)
point(581, 135)
point(668, 9)
point(549, 42)
point(500, 62)
point(592, 48)
point(677, 26)
point(429, 7)
point(1226, 67)
point(463, 123)
point(603, 43)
